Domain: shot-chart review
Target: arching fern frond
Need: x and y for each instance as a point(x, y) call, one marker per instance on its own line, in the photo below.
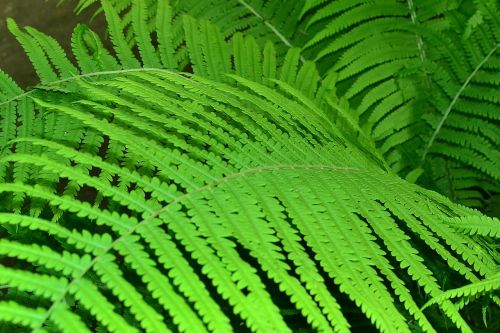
point(201, 45)
point(251, 195)
point(215, 222)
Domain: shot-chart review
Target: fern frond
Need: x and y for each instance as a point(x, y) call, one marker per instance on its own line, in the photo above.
point(89, 51)
point(8, 90)
point(273, 20)
point(143, 38)
point(257, 192)
point(115, 26)
point(247, 212)
point(167, 41)
point(19, 314)
point(449, 135)
point(477, 225)
point(404, 68)
point(34, 52)
point(473, 289)
point(208, 52)
point(56, 54)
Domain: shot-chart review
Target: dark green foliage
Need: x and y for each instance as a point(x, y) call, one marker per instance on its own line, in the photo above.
point(423, 77)
point(233, 166)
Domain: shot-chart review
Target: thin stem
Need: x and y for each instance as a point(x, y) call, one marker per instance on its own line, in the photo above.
point(270, 26)
point(75, 77)
point(420, 42)
point(450, 180)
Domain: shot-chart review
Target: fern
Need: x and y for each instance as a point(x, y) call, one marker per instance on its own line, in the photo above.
point(251, 194)
point(418, 80)
point(467, 291)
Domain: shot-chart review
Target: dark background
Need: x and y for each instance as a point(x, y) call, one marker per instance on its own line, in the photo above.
point(48, 17)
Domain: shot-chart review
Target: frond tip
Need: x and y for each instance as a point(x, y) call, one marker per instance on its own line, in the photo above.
point(470, 290)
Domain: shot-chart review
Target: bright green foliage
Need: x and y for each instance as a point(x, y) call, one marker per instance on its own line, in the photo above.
point(231, 167)
point(420, 76)
point(469, 291)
